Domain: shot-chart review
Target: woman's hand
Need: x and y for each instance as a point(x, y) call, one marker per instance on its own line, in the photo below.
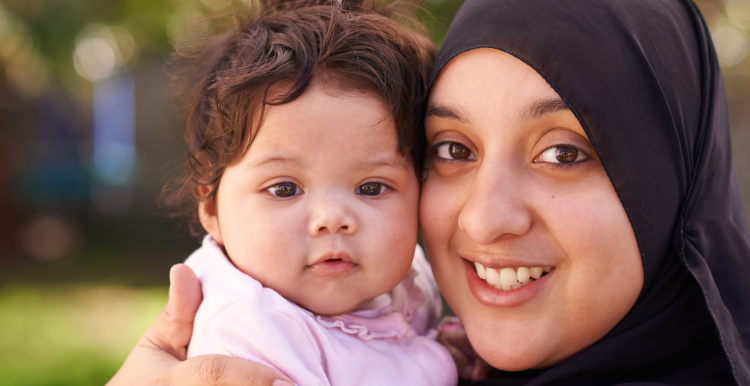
point(159, 356)
point(453, 336)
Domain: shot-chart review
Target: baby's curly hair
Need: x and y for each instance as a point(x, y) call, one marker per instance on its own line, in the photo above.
point(223, 83)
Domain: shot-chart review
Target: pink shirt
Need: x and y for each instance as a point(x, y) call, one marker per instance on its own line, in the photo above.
point(388, 341)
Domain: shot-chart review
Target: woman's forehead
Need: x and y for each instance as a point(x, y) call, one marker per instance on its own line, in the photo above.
point(490, 76)
point(489, 81)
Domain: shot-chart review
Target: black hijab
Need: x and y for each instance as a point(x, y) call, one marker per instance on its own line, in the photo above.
point(643, 79)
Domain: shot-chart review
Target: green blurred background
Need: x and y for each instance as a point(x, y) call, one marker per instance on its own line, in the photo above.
point(87, 138)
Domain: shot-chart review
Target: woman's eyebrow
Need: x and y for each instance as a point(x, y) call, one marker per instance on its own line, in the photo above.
point(450, 112)
point(542, 107)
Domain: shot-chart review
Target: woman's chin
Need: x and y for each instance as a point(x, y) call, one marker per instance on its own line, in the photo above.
point(505, 352)
point(512, 360)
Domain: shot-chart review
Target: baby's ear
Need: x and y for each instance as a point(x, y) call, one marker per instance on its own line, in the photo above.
point(208, 215)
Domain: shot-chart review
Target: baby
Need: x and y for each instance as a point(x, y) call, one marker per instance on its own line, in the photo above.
point(304, 138)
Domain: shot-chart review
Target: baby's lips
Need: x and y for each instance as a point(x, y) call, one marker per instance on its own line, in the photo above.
point(333, 255)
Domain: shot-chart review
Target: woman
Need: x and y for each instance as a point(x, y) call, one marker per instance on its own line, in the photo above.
point(590, 137)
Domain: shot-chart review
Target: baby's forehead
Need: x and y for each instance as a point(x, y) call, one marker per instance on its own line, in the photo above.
point(342, 87)
point(349, 126)
point(327, 109)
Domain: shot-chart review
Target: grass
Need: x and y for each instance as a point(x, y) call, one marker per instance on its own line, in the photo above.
point(71, 334)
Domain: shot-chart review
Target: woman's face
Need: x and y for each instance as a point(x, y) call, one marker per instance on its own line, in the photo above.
point(514, 186)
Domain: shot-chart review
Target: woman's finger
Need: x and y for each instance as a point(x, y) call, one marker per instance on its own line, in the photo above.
point(457, 344)
point(481, 370)
point(173, 328)
point(155, 367)
point(161, 348)
point(464, 365)
point(220, 370)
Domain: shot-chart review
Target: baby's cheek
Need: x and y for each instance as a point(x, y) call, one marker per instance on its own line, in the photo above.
point(396, 237)
point(267, 246)
point(401, 236)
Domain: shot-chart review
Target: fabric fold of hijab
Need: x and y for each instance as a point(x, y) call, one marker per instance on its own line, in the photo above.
point(643, 79)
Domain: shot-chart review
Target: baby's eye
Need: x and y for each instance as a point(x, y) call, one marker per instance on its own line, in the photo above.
point(284, 189)
point(453, 151)
point(371, 189)
point(562, 154)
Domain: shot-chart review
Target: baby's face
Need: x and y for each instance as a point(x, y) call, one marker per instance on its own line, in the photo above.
point(322, 208)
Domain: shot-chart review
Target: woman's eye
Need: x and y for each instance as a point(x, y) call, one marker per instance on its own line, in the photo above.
point(562, 154)
point(371, 189)
point(284, 189)
point(453, 150)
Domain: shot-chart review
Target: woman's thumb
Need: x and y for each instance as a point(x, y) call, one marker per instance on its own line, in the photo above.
point(174, 327)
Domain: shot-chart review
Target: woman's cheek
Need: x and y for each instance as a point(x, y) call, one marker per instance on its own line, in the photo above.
point(591, 224)
point(439, 205)
point(595, 233)
point(439, 209)
point(433, 218)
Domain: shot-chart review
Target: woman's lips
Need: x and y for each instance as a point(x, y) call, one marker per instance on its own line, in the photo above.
point(515, 294)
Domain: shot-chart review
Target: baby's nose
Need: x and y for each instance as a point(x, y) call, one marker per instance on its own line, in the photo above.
point(332, 217)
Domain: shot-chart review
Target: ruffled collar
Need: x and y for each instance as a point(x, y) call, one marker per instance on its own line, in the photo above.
point(388, 316)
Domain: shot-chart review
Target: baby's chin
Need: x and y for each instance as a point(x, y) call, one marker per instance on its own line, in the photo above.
point(331, 307)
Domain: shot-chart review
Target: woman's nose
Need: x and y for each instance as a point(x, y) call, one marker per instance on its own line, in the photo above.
point(495, 207)
point(332, 215)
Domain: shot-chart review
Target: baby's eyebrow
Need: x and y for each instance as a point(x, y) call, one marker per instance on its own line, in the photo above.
point(379, 164)
point(287, 161)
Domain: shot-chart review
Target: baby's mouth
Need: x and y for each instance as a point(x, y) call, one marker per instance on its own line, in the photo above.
point(333, 263)
point(510, 278)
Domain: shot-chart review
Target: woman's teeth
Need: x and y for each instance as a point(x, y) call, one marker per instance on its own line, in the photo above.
point(507, 279)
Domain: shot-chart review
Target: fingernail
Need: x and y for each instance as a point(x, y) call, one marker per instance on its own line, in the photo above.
point(281, 382)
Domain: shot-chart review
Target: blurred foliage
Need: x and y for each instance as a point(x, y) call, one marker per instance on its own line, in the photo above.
point(51, 27)
point(71, 335)
point(729, 22)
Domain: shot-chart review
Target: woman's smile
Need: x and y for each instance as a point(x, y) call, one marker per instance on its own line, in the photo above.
point(510, 278)
point(503, 287)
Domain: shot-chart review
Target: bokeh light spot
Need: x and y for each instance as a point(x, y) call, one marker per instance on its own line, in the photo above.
point(47, 239)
